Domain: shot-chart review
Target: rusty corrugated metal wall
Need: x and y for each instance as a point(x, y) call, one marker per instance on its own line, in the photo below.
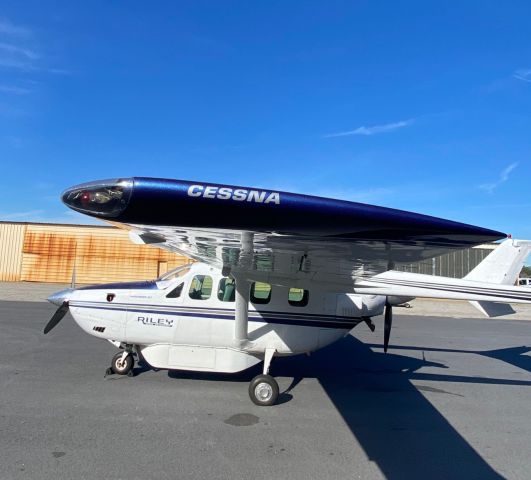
point(51, 253)
point(11, 241)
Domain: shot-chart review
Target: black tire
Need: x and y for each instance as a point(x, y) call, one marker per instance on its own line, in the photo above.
point(122, 369)
point(263, 390)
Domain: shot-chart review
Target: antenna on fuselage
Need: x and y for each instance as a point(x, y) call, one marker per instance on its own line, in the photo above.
point(73, 280)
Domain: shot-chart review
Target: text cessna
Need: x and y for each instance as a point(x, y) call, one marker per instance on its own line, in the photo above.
point(239, 195)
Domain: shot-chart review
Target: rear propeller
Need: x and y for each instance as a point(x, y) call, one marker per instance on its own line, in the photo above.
point(388, 322)
point(57, 317)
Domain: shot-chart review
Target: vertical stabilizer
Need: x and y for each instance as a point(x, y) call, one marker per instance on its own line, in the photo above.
point(502, 267)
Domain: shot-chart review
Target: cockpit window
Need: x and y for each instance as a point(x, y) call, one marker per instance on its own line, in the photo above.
point(227, 290)
point(298, 297)
point(260, 293)
point(175, 273)
point(176, 292)
point(201, 287)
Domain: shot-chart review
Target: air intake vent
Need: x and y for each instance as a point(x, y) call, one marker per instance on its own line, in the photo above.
point(99, 329)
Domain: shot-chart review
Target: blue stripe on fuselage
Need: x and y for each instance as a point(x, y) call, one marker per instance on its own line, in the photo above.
point(175, 309)
point(347, 323)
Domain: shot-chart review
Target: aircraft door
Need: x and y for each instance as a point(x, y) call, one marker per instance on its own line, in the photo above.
point(195, 324)
point(192, 343)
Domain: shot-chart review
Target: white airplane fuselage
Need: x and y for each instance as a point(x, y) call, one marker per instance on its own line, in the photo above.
point(174, 327)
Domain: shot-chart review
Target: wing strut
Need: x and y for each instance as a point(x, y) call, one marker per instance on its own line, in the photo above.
point(242, 309)
point(241, 333)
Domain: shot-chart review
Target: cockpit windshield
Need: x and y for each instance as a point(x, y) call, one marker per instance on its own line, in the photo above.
point(175, 273)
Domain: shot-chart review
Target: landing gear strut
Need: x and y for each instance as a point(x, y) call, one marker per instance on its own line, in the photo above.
point(263, 388)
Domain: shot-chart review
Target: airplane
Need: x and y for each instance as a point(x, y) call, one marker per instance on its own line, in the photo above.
point(276, 274)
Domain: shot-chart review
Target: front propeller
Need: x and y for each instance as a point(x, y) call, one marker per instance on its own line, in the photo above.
point(388, 322)
point(61, 299)
point(57, 317)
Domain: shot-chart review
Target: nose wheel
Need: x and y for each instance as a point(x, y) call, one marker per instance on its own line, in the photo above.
point(122, 364)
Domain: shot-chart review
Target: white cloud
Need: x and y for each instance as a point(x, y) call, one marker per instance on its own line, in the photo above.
point(16, 50)
point(19, 50)
point(8, 28)
point(523, 74)
point(14, 89)
point(504, 176)
point(17, 57)
point(375, 129)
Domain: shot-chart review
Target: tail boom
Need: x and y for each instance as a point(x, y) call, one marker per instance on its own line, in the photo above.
point(404, 284)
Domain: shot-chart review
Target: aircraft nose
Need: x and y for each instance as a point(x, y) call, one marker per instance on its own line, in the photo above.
point(58, 298)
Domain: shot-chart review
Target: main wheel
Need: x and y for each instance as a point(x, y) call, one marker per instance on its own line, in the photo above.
point(122, 367)
point(263, 390)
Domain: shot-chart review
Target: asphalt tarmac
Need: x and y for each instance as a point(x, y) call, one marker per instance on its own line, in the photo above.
point(451, 400)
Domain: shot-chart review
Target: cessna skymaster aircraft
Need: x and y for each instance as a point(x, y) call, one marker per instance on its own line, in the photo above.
point(278, 274)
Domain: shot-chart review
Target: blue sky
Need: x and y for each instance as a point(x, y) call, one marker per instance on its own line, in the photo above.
point(424, 106)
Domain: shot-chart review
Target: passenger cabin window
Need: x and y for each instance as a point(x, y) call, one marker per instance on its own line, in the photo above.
point(201, 287)
point(227, 290)
point(176, 292)
point(260, 293)
point(297, 297)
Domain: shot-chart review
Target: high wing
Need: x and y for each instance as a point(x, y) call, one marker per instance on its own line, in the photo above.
point(272, 234)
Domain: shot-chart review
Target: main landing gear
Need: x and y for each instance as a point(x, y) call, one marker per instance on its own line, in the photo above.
point(263, 388)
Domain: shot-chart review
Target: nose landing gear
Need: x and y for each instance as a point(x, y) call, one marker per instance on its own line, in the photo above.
point(122, 364)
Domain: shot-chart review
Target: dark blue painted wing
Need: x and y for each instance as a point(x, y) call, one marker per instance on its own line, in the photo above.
point(291, 233)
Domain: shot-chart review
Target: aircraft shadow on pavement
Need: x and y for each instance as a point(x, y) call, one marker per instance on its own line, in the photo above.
point(398, 428)
point(516, 356)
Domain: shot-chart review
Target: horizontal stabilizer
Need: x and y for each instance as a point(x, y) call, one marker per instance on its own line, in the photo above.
point(493, 309)
point(489, 286)
point(405, 284)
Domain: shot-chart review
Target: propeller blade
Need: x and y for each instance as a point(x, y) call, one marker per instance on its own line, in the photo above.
point(387, 325)
point(57, 317)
